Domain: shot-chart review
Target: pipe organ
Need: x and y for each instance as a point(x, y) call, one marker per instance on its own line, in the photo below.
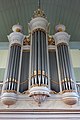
point(39, 63)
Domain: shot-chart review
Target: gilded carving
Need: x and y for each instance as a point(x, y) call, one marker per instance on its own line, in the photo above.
point(10, 91)
point(51, 41)
point(36, 85)
point(68, 91)
point(26, 40)
point(39, 13)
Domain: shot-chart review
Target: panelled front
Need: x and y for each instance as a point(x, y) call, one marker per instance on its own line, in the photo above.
point(13, 68)
point(24, 77)
point(54, 80)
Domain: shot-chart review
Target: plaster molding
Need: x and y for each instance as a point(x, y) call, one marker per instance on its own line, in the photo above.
point(40, 115)
point(16, 37)
point(38, 22)
point(61, 37)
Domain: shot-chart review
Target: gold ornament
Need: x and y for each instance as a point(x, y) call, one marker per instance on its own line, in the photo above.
point(39, 13)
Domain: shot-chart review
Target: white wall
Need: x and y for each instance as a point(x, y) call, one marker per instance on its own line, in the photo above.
point(75, 55)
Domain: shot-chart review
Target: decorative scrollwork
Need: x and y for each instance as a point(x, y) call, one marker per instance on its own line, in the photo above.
point(26, 40)
point(9, 91)
point(51, 40)
point(39, 13)
point(68, 91)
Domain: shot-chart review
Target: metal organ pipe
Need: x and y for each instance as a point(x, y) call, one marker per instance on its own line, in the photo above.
point(39, 59)
point(9, 91)
point(65, 67)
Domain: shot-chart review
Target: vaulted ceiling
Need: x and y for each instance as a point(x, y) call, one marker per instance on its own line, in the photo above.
point(66, 12)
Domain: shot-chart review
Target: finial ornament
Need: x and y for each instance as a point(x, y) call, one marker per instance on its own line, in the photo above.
point(39, 12)
point(17, 28)
point(60, 28)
